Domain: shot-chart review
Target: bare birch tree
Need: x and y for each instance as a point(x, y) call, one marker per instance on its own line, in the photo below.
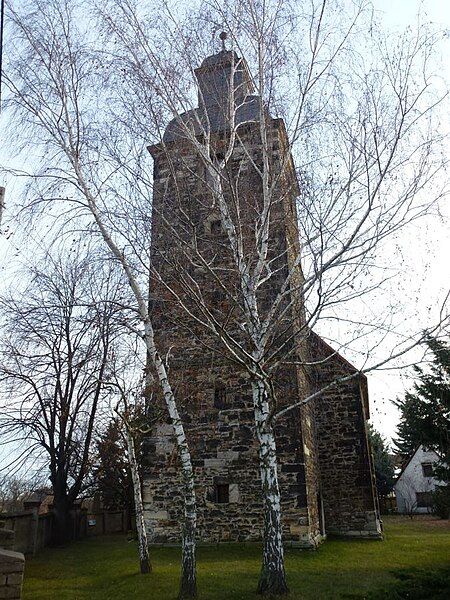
point(58, 89)
point(135, 426)
point(364, 128)
point(130, 402)
point(360, 124)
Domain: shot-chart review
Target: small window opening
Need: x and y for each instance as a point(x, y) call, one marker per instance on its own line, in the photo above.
point(218, 156)
point(222, 493)
point(424, 499)
point(216, 227)
point(220, 395)
point(218, 296)
point(427, 469)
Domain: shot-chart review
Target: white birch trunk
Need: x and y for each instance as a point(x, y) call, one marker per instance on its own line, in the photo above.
point(273, 577)
point(144, 558)
point(188, 582)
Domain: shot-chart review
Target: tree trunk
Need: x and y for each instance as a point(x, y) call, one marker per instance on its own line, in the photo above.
point(272, 580)
point(62, 533)
point(188, 582)
point(144, 558)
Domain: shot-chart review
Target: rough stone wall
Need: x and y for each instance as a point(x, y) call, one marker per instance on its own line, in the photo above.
point(11, 574)
point(347, 482)
point(221, 437)
point(323, 451)
point(224, 451)
point(306, 415)
point(6, 538)
point(12, 565)
point(31, 531)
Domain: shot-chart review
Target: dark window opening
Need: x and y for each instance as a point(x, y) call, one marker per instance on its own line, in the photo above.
point(218, 295)
point(299, 489)
point(218, 156)
point(302, 500)
point(222, 493)
point(216, 227)
point(424, 499)
point(220, 395)
point(427, 469)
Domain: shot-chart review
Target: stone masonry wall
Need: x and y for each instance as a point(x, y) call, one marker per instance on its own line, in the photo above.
point(6, 538)
point(220, 432)
point(347, 484)
point(325, 471)
point(12, 565)
point(11, 574)
point(224, 451)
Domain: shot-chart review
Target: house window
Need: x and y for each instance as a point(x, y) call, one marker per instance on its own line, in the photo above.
point(424, 499)
point(220, 395)
point(222, 493)
point(427, 469)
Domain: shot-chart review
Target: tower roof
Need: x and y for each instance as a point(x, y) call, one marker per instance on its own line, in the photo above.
point(219, 76)
point(221, 58)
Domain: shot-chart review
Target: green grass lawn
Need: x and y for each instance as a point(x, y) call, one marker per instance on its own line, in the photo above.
point(106, 568)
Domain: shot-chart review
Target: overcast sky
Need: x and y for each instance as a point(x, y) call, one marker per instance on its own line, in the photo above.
point(426, 249)
point(430, 252)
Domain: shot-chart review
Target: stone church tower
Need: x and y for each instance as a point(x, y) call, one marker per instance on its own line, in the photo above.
point(325, 470)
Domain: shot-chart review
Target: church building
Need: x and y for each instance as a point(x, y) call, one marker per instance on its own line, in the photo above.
point(325, 464)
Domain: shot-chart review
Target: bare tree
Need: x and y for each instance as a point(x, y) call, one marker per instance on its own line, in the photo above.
point(361, 127)
point(14, 490)
point(58, 336)
point(94, 180)
point(132, 416)
point(366, 135)
point(129, 384)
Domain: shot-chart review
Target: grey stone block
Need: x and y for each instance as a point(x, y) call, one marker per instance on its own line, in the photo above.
point(14, 579)
point(10, 593)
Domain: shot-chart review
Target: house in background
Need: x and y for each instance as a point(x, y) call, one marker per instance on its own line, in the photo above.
point(415, 484)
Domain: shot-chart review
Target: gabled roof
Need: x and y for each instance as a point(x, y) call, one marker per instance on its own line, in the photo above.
point(407, 462)
point(334, 355)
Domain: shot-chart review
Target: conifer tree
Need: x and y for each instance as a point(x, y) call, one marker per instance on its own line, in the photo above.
point(425, 411)
point(112, 472)
point(383, 463)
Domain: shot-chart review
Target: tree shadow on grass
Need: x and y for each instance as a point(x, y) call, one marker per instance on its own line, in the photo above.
point(412, 584)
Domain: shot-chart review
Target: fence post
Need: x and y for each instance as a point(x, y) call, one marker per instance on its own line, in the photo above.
point(35, 527)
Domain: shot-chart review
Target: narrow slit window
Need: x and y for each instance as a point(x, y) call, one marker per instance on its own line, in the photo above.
point(222, 493)
point(216, 227)
point(220, 395)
